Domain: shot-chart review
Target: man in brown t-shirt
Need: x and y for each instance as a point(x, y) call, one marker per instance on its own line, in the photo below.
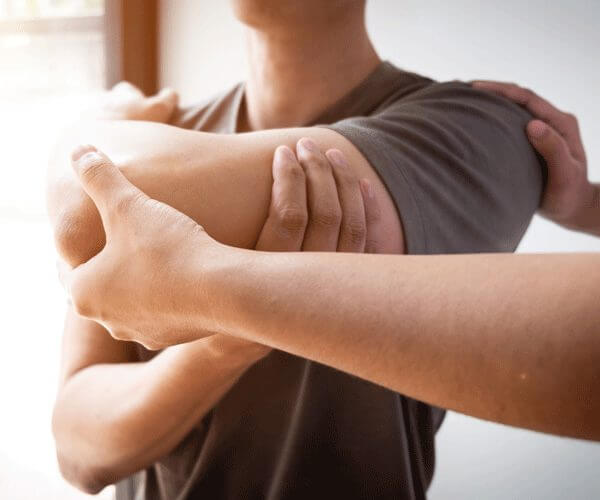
point(462, 177)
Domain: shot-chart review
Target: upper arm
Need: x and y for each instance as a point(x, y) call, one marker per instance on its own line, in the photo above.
point(458, 165)
point(86, 343)
point(221, 181)
point(363, 168)
point(451, 166)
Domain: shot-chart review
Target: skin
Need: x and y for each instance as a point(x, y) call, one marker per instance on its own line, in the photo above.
point(462, 318)
point(284, 44)
point(137, 427)
point(91, 358)
point(128, 426)
point(570, 200)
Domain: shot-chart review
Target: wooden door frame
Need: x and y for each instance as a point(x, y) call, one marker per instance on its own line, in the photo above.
point(131, 41)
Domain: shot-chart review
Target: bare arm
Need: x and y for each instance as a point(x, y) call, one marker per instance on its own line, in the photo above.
point(114, 417)
point(224, 181)
point(513, 339)
point(193, 172)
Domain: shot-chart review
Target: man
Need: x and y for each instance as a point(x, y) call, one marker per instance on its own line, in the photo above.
point(452, 172)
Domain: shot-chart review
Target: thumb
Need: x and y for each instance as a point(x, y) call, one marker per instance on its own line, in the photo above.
point(167, 95)
point(101, 180)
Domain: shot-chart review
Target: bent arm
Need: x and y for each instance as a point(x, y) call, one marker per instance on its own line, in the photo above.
point(512, 339)
point(114, 416)
point(221, 181)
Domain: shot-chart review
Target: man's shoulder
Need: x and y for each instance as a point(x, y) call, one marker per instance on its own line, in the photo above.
point(216, 114)
point(485, 121)
point(420, 89)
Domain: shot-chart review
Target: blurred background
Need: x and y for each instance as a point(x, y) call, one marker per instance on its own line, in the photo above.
point(57, 55)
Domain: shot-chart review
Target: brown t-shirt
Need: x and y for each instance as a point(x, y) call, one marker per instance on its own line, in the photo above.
point(464, 178)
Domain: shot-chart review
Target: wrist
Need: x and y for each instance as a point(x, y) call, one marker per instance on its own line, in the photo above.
point(217, 353)
point(218, 281)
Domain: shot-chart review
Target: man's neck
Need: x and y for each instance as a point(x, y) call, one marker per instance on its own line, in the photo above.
point(296, 76)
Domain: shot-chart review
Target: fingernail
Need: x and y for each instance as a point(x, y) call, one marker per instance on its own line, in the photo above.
point(283, 153)
point(82, 150)
point(308, 144)
point(367, 188)
point(537, 129)
point(335, 156)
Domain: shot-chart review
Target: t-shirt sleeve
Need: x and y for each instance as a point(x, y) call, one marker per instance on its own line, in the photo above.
point(458, 165)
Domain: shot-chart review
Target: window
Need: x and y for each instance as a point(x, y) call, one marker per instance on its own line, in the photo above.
point(52, 63)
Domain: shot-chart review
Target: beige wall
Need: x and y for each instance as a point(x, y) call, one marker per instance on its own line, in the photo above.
point(542, 44)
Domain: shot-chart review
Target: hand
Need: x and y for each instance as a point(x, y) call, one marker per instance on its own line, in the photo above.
point(570, 199)
point(317, 204)
point(126, 102)
point(139, 286)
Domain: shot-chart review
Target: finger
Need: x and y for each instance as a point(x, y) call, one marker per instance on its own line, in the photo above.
point(555, 151)
point(163, 104)
point(284, 229)
point(84, 284)
point(324, 212)
point(565, 123)
point(127, 88)
point(373, 217)
point(353, 226)
point(64, 271)
point(103, 181)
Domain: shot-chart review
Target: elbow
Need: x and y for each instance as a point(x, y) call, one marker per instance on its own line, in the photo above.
point(90, 474)
point(86, 479)
point(78, 235)
point(78, 230)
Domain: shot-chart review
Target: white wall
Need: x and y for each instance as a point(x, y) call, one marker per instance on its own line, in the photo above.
point(551, 46)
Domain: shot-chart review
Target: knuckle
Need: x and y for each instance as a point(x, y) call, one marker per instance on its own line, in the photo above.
point(154, 346)
point(571, 119)
point(526, 95)
point(124, 202)
point(91, 166)
point(291, 218)
point(293, 171)
point(119, 335)
point(121, 206)
point(159, 108)
point(355, 229)
point(81, 303)
point(328, 217)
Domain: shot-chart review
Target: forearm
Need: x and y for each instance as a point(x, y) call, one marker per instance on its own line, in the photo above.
point(513, 339)
point(112, 420)
point(221, 181)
